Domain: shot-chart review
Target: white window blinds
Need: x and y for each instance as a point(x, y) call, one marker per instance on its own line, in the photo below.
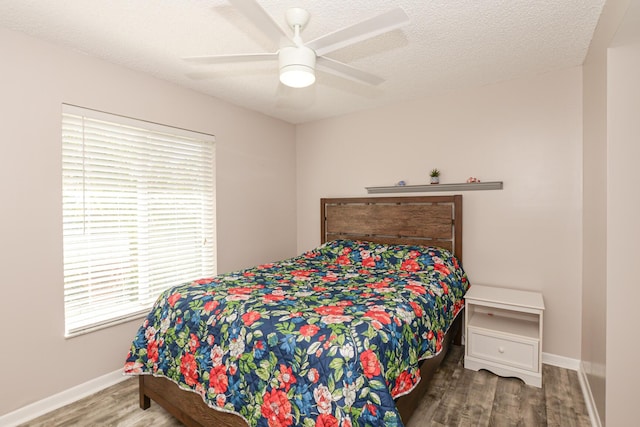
point(138, 214)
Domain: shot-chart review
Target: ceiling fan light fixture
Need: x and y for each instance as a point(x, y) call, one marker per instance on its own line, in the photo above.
point(297, 60)
point(297, 66)
point(297, 76)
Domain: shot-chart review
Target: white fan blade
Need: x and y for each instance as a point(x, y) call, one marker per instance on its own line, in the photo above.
point(252, 10)
point(225, 59)
point(347, 71)
point(388, 21)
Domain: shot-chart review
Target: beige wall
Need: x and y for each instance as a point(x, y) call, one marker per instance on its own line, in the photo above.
point(600, 305)
point(255, 202)
point(594, 266)
point(594, 215)
point(527, 133)
point(623, 228)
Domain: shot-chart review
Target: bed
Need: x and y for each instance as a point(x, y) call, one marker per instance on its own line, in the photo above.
point(345, 334)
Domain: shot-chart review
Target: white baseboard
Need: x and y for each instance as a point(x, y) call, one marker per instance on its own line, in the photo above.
point(36, 409)
point(561, 361)
point(41, 407)
point(576, 365)
point(588, 398)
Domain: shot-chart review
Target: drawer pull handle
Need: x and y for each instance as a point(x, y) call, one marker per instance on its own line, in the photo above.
point(501, 349)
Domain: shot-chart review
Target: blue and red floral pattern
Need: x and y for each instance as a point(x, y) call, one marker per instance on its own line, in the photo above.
point(329, 338)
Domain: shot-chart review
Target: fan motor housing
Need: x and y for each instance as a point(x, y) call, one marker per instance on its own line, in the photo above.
point(297, 66)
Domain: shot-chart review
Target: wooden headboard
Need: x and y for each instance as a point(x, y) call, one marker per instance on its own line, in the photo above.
point(421, 220)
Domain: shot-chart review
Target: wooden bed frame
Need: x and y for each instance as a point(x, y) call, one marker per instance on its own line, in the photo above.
point(424, 220)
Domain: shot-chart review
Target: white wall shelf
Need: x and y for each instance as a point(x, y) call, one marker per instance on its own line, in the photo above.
point(462, 186)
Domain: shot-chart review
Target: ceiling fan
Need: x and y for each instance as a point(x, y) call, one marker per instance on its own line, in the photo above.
point(298, 60)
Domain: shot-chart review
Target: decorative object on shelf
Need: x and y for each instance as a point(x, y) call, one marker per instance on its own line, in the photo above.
point(401, 183)
point(472, 179)
point(459, 186)
point(435, 176)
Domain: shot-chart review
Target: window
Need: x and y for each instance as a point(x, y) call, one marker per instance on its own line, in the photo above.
point(138, 203)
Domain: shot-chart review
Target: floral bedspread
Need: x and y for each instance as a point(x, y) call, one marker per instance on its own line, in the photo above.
point(328, 338)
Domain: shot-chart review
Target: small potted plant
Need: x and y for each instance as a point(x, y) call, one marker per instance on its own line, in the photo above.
point(435, 176)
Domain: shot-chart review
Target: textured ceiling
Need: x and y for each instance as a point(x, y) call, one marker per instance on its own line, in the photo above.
point(448, 44)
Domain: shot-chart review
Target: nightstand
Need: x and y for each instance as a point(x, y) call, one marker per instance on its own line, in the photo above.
point(503, 330)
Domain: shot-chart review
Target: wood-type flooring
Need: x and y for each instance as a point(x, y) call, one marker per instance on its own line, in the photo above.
point(455, 397)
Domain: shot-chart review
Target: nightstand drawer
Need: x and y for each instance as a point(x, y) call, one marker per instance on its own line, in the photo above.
point(504, 349)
